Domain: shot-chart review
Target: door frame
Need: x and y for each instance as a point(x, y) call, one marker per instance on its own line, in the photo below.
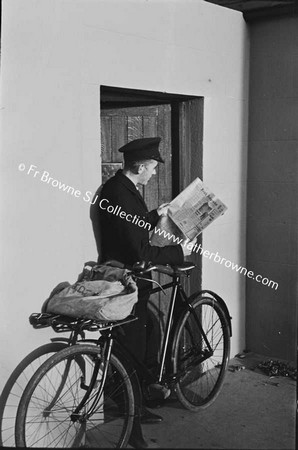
point(186, 137)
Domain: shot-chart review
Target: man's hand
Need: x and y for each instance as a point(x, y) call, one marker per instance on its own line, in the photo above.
point(162, 210)
point(187, 246)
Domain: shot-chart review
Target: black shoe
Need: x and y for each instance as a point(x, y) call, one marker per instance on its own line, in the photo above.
point(155, 395)
point(157, 391)
point(149, 417)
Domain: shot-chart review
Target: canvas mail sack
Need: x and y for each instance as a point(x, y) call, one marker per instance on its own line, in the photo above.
point(102, 292)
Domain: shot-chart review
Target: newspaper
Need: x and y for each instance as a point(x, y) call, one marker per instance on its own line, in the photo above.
point(188, 215)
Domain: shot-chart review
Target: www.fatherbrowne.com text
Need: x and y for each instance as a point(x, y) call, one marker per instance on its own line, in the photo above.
point(45, 177)
point(197, 248)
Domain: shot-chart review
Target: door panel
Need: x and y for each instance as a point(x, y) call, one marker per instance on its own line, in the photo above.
point(119, 126)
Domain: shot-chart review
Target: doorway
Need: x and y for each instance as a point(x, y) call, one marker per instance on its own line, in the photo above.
point(128, 114)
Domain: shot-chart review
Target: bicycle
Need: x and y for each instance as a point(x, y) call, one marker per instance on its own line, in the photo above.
point(96, 387)
point(19, 378)
point(199, 334)
point(15, 385)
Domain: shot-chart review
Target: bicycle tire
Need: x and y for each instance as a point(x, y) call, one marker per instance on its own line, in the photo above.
point(199, 381)
point(15, 385)
point(108, 427)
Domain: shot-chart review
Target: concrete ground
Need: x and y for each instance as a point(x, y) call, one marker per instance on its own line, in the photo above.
point(253, 411)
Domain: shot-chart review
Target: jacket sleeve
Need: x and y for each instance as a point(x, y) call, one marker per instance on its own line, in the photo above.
point(170, 254)
point(133, 238)
point(152, 217)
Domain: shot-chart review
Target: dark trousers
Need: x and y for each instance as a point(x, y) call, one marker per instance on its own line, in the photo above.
point(134, 339)
point(135, 333)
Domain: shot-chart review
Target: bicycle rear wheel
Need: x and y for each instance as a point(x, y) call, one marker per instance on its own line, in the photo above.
point(58, 410)
point(200, 353)
point(15, 385)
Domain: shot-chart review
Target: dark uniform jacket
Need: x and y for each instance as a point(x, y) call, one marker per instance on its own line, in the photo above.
point(119, 238)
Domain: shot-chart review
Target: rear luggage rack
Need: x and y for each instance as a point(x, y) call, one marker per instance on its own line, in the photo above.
point(62, 324)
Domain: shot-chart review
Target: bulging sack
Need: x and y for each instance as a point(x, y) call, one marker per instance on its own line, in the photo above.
point(103, 293)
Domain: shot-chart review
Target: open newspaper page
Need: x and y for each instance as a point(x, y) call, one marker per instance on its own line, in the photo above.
point(166, 232)
point(188, 215)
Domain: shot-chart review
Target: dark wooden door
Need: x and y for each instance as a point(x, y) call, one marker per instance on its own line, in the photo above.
point(119, 126)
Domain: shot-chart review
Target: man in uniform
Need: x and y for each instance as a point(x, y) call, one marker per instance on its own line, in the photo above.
point(121, 224)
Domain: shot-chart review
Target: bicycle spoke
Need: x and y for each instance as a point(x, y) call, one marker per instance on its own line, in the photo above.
point(201, 354)
point(49, 415)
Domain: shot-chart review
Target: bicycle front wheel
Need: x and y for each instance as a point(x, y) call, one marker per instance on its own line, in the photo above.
point(200, 353)
point(64, 405)
point(15, 385)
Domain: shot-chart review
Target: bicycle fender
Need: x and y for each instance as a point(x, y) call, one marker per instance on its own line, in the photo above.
point(60, 339)
point(219, 300)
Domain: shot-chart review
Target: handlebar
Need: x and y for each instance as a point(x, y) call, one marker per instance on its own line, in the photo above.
point(142, 268)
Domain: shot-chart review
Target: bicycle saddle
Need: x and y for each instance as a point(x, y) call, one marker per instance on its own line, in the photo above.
point(182, 269)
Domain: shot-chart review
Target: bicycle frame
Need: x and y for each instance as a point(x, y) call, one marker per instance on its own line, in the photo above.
point(176, 286)
point(109, 339)
point(186, 344)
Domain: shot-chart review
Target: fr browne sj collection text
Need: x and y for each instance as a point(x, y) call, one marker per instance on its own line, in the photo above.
point(45, 177)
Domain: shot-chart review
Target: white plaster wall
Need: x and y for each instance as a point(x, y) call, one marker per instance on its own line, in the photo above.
point(55, 56)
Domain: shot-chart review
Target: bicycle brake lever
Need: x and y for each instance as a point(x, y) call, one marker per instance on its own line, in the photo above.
point(153, 281)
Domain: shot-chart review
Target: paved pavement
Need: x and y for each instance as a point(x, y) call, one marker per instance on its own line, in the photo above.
point(252, 411)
